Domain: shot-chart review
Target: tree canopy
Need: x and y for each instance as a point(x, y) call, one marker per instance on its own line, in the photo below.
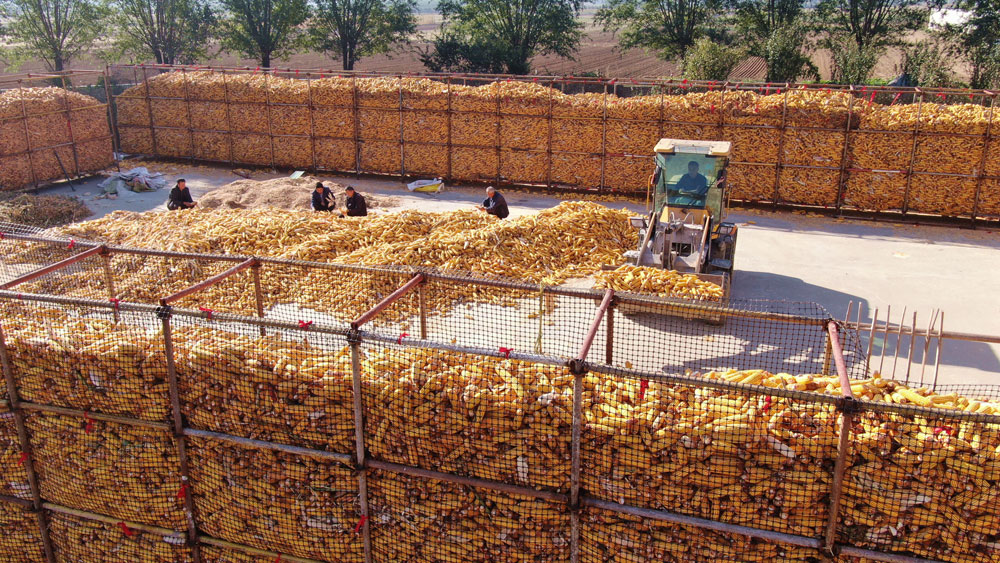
point(54, 31)
point(264, 29)
point(169, 31)
point(668, 27)
point(352, 29)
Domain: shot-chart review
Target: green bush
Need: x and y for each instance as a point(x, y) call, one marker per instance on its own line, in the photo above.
point(708, 60)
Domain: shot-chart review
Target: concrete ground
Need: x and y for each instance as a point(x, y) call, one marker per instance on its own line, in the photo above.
point(780, 255)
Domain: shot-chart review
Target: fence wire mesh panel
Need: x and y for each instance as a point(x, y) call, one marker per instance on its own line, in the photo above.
point(491, 316)
point(925, 484)
point(13, 474)
point(416, 519)
point(465, 414)
point(882, 151)
point(216, 554)
point(99, 360)
point(83, 279)
point(287, 503)
point(681, 337)
point(612, 537)
point(80, 539)
point(727, 455)
point(119, 470)
point(290, 386)
point(20, 541)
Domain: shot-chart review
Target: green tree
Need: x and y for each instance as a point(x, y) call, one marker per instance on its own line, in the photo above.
point(264, 29)
point(668, 27)
point(758, 20)
point(352, 29)
point(925, 64)
point(504, 35)
point(55, 31)
point(776, 31)
point(852, 63)
point(872, 24)
point(169, 31)
point(784, 52)
point(708, 60)
point(978, 41)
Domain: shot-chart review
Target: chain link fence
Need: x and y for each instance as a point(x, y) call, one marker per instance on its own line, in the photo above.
point(431, 416)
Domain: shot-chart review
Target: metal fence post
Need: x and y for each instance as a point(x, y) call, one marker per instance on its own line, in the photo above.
point(574, 492)
point(164, 313)
point(109, 280)
point(359, 442)
point(25, 439)
point(258, 293)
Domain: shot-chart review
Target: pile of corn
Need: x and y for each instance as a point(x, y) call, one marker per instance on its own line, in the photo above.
point(470, 415)
point(13, 478)
point(922, 484)
point(42, 127)
point(91, 364)
point(20, 541)
point(80, 539)
point(118, 470)
point(573, 239)
point(664, 283)
point(294, 505)
point(266, 388)
point(416, 519)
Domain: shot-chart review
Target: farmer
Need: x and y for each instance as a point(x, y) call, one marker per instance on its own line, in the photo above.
point(322, 198)
point(354, 205)
point(495, 204)
point(180, 197)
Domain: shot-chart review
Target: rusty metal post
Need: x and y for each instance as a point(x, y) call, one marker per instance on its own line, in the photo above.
point(847, 407)
point(178, 433)
point(827, 356)
point(844, 155)
point(69, 128)
point(190, 120)
point(359, 442)
point(421, 299)
point(149, 112)
point(448, 118)
point(574, 494)
point(312, 121)
point(913, 154)
point(112, 113)
point(257, 292)
point(229, 121)
point(781, 150)
point(109, 280)
point(604, 137)
point(609, 344)
point(25, 441)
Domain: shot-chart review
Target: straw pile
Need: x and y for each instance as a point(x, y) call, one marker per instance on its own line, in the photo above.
point(41, 127)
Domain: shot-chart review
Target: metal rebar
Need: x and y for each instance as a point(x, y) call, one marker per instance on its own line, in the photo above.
point(345, 459)
point(271, 555)
point(899, 342)
point(909, 351)
point(939, 352)
point(87, 515)
point(852, 551)
point(468, 481)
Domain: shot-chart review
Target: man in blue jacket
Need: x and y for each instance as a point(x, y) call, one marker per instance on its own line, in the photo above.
point(495, 204)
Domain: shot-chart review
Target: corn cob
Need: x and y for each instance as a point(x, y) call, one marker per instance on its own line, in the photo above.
point(20, 541)
point(79, 539)
point(664, 283)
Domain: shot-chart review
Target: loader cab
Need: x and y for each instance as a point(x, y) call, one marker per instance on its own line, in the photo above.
point(689, 179)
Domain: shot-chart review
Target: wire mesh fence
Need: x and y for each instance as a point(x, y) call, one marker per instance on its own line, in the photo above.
point(79, 538)
point(291, 504)
point(883, 150)
point(20, 541)
point(258, 433)
point(418, 519)
point(13, 474)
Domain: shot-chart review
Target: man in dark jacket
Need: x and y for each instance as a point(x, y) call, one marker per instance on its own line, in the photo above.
point(180, 197)
point(495, 204)
point(322, 198)
point(354, 205)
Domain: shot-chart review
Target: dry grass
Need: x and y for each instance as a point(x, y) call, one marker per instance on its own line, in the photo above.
point(42, 211)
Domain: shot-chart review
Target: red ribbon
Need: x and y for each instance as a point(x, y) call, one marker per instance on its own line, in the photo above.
point(940, 95)
point(712, 108)
point(767, 404)
point(305, 324)
point(72, 243)
point(278, 559)
point(360, 524)
point(946, 429)
point(401, 337)
point(89, 426)
point(182, 492)
point(23, 458)
point(871, 99)
point(115, 302)
point(125, 529)
point(643, 385)
point(506, 351)
point(208, 312)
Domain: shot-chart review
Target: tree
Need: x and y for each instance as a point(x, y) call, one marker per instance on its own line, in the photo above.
point(853, 64)
point(264, 29)
point(872, 24)
point(170, 31)
point(505, 34)
point(352, 29)
point(708, 60)
point(55, 31)
point(978, 41)
point(669, 27)
point(924, 64)
point(775, 30)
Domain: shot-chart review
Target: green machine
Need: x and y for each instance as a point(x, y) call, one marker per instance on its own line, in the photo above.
point(685, 228)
